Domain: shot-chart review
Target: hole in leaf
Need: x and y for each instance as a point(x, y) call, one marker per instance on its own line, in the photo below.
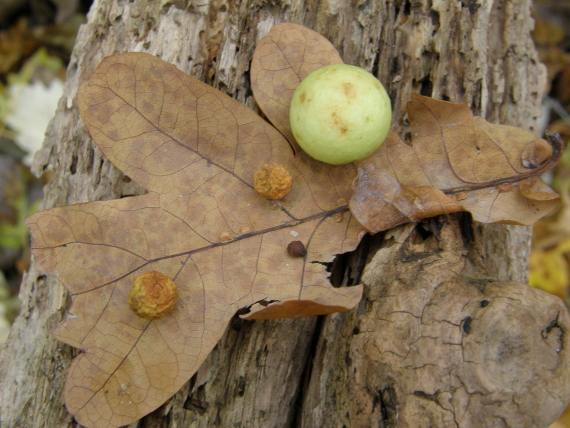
point(423, 232)
point(346, 269)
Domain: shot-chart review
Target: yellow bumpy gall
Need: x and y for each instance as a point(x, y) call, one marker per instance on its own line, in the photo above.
point(272, 181)
point(153, 295)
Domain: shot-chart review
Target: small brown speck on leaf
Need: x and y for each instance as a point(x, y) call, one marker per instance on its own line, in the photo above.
point(296, 249)
point(505, 187)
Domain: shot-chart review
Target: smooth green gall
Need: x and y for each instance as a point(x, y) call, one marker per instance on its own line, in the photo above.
point(340, 114)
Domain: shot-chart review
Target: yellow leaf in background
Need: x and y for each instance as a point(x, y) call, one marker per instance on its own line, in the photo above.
point(549, 271)
point(564, 246)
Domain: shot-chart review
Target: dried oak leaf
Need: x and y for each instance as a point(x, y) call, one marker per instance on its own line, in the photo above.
point(202, 224)
point(456, 162)
point(282, 59)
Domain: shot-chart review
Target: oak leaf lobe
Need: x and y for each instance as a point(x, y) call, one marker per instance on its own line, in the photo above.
point(196, 151)
point(455, 162)
point(282, 59)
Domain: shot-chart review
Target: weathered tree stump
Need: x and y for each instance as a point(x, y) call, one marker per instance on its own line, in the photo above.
point(442, 338)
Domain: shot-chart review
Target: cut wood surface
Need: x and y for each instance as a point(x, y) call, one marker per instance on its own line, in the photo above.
point(423, 347)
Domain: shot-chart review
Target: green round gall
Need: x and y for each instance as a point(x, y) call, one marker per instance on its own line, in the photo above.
point(340, 114)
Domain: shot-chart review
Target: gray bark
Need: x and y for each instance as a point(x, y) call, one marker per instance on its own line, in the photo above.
point(369, 367)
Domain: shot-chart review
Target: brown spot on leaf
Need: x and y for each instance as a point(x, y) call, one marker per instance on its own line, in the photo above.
point(296, 249)
point(505, 187)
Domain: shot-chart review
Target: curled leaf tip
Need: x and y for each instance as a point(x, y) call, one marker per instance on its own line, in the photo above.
point(557, 144)
point(456, 162)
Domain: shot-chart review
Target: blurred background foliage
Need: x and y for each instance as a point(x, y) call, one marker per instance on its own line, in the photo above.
point(36, 39)
point(550, 254)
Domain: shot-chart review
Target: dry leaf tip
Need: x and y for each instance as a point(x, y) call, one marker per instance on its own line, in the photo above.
point(272, 181)
point(153, 295)
point(536, 153)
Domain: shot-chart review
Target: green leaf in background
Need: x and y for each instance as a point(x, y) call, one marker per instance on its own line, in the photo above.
point(14, 205)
